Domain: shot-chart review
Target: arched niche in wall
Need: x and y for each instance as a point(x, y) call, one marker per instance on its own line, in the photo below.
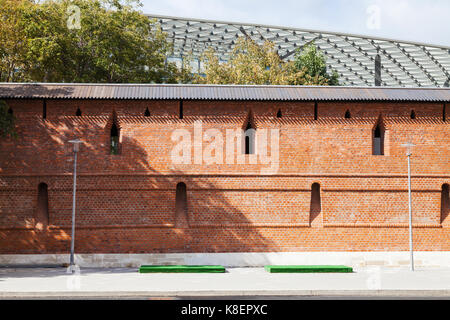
point(378, 137)
point(114, 134)
point(316, 204)
point(42, 215)
point(249, 134)
point(181, 208)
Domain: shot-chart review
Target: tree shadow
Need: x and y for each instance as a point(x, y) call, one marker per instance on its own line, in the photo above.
point(124, 205)
point(35, 90)
point(20, 271)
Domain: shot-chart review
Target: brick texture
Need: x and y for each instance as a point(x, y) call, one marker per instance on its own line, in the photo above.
point(126, 203)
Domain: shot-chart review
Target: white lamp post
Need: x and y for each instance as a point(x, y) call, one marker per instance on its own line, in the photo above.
point(76, 148)
point(408, 154)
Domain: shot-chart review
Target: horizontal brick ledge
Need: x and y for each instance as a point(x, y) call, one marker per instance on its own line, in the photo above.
point(241, 225)
point(231, 175)
point(249, 225)
point(136, 226)
point(168, 225)
point(229, 190)
point(112, 226)
point(380, 225)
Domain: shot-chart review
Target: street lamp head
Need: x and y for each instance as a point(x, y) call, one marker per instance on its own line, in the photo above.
point(76, 144)
point(408, 147)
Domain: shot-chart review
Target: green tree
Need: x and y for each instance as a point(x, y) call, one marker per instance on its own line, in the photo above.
point(13, 42)
point(251, 63)
point(105, 41)
point(7, 127)
point(313, 62)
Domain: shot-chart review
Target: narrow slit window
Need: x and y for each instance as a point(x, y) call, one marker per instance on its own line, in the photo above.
point(445, 202)
point(413, 114)
point(347, 114)
point(44, 109)
point(181, 109)
point(181, 209)
point(114, 138)
point(443, 113)
point(279, 115)
point(78, 112)
point(147, 113)
point(378, 140)
point(249, 135)
point(10, 111)
point(315, 111)
point(42, 216)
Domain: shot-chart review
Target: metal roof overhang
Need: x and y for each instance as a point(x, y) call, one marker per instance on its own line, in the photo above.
point(218, 92)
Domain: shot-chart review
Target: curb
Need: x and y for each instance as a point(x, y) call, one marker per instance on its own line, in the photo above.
point(225, 294)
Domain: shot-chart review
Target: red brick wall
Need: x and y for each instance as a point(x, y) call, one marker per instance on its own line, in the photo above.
point(126, 202)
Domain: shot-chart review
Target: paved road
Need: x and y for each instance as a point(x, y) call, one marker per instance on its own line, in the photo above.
point(242, 283)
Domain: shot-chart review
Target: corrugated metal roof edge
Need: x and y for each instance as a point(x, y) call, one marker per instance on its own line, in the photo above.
point(218, 85)
point(329, 93)
point(231, 99)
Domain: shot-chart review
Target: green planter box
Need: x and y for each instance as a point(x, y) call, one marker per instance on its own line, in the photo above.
point(307, 269)
point(182, 269)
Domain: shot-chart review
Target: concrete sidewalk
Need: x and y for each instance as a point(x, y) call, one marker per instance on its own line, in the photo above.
point(127, 282)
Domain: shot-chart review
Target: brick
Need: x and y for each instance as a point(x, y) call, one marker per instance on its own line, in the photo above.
point(126, 202)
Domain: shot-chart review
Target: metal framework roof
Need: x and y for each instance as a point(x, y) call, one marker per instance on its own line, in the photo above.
point(404, 64)
point(219, 92)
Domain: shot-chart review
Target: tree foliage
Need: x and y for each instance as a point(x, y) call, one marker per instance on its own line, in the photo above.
point(251, 63)
point(112, 42)
point(13, 42)
point(313, 62)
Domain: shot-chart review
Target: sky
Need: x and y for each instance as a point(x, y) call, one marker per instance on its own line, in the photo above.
point(424, 21)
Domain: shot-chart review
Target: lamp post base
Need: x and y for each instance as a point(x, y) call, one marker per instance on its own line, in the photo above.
point(73, 269)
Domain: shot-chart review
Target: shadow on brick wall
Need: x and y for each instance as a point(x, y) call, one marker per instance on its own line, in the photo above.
point(126, 207)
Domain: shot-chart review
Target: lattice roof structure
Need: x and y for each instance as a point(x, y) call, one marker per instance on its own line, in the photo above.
point(403, 63)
